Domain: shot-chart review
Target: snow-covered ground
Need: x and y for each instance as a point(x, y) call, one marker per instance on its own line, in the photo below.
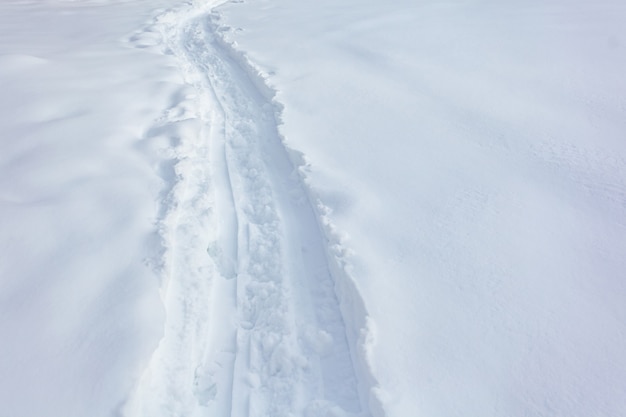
point(330, 208)
point(80, 311)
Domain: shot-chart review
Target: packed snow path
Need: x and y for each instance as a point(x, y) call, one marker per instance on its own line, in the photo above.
point(253, 325)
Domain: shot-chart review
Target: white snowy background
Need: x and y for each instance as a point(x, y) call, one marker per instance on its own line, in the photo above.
point(293, 208)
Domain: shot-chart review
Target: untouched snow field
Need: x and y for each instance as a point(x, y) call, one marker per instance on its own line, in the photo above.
point(320, 209)
point(80, 311)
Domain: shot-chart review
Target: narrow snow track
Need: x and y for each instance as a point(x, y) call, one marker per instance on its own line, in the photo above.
point(254, 328)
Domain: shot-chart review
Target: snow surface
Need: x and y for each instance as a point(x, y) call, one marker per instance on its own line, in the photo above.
point(80, 311)
point(330, 208)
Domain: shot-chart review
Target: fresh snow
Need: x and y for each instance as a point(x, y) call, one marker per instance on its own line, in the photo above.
point(252, 318)
point(340, 208)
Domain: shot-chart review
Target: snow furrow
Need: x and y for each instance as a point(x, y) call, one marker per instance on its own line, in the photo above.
point(254, 328)
point(292, 348)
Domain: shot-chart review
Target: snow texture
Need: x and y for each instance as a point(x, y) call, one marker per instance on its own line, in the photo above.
point(312, 209)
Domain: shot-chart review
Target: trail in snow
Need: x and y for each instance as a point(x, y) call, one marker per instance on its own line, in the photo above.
point(253, 324)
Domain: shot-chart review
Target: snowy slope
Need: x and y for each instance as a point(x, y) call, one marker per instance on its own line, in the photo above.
point(470, 155)
point(333, 208)
point(80, 311)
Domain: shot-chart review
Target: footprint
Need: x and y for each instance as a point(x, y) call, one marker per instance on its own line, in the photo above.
point(204, 386)
point(145, 39)
point(226, 265)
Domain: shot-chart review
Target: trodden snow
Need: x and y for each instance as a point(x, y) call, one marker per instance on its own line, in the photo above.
point(340, 208)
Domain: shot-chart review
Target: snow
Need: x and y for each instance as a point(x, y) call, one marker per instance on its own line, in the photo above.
point(340, 208)
point(470, 155)
point(80, 312)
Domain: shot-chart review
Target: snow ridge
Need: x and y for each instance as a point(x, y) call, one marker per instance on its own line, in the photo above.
point(254, 326)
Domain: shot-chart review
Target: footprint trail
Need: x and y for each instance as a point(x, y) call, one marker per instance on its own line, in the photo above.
point(254, 328)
